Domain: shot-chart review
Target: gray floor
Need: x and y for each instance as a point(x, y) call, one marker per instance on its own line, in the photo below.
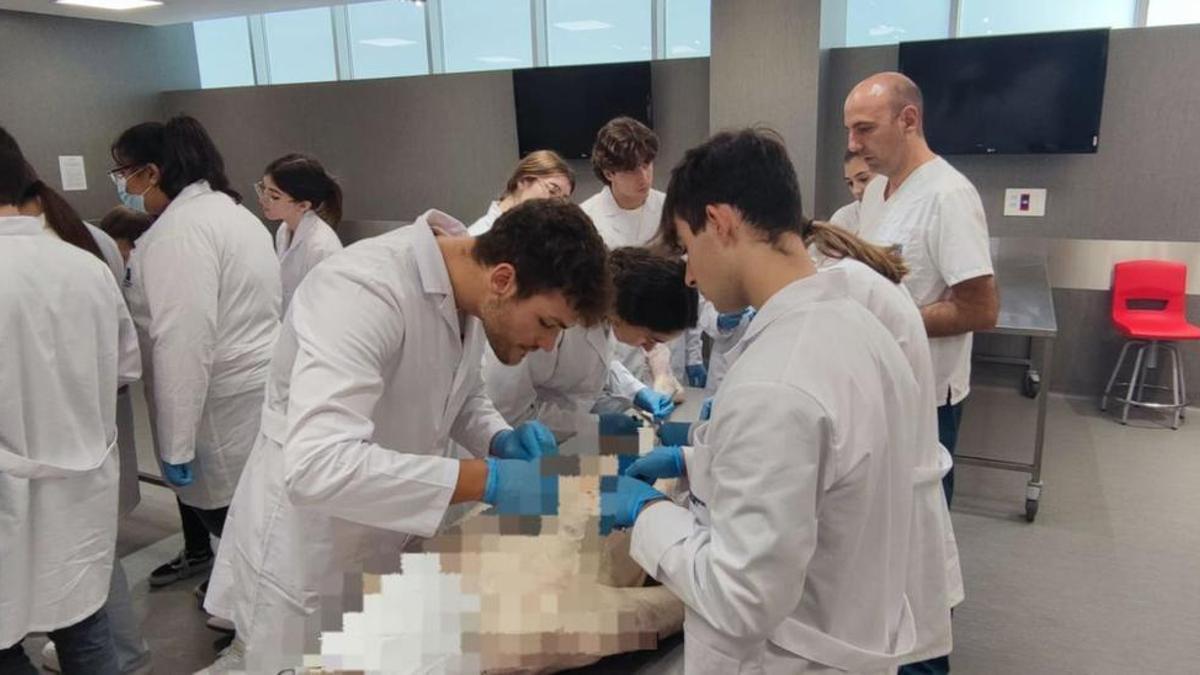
point(1107, 580)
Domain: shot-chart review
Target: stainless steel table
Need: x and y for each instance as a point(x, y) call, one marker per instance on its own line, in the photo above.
point(1027, 310)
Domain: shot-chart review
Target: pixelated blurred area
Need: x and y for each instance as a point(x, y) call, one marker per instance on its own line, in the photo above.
point(507, 594)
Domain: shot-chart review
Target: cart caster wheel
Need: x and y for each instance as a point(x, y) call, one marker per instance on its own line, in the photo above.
point(1031, 384)
point(1031, 509)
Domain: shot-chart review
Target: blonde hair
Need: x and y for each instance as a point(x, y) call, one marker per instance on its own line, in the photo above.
point(835, 242)
point(538, 164)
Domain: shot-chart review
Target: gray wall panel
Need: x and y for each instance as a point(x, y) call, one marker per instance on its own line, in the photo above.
point(765, 69)
point(71, 85)
point(1139, 185)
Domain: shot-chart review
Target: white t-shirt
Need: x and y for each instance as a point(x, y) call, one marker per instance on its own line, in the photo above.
point(624, 227)
point(937, 219)
point(847, 217)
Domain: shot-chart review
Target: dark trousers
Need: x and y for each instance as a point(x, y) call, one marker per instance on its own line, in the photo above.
point(195, 534)
point(949, 420)
point(85, 648)
point(213, 520)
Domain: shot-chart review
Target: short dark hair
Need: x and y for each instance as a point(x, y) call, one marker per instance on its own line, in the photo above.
point(122, 222)
point(651, 290)
point(623, 144)
point(181, 149)
point(850, 154)
point(554, 247)
point(747, 169)
point(304, 179)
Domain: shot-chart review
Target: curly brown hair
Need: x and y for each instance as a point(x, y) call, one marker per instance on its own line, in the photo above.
point(623, 144)
point(553, 246)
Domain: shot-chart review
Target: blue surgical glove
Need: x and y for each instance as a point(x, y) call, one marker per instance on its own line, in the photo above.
point(529, 440)
point(731, 320)
point(697, 375)
point(662, 462)
point(179, 475)
point(706, 409)
point(517, 488)
point(675, 433)
point(659, 405)
point(619, 424)
point(621, 499)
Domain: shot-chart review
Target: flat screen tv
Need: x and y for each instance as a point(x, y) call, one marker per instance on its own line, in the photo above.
point(562, 108)
point(1013, 94)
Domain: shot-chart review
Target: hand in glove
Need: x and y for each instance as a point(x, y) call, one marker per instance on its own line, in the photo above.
point(517, 488)
point(621, 500)
point(662, 462)
point(179, 475)
point(659, 405)
point(697, 375)
point(529, 440)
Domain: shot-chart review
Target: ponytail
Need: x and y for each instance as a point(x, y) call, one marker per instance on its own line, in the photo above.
point(835, 242)
point(304, 179)
point(189, 155)
point(61, 218)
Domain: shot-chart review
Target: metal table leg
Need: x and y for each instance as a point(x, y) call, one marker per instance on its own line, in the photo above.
point(1033, 490)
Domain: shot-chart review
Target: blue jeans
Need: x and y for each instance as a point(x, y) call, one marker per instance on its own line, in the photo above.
point(85, 648)
point(949, 420)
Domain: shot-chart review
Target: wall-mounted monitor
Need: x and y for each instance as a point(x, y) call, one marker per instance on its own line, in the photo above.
point(1013, 94)
point(562, 108)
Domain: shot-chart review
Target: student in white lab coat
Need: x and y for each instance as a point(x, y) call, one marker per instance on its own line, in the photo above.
point(204, 292)
point(296, 190)
point(857, 174)
point(793, 555)
point(376, 370)
point(542, 174)
point(651, 305)
point(626, 213)
point(132, 652)
point(69, 345)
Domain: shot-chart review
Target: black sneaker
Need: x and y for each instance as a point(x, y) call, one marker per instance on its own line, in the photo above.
point(183, 566)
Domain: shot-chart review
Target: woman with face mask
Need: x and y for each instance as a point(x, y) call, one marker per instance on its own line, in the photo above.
point(296, 190)
point(542, 174)
point(204, 292)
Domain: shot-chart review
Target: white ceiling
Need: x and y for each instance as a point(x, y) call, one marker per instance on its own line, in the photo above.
point(171, 11)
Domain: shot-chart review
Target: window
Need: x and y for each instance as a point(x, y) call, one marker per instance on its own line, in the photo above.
point(881, 22)
point(300, 46)
point(997, 17)
point(491, 35)
point(223, 52)
point(688, 29)
point(1169, 12)
point(585, 31)
point(387, 39)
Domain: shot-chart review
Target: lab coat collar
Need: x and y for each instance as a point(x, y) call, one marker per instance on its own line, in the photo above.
point(19, 225)
point(821, 287)
point(308, 222)
point(435, 278)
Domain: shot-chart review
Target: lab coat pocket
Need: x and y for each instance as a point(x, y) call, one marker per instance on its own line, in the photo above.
point(702, 658)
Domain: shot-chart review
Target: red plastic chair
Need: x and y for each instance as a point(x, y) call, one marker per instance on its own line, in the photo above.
point(1148, 308)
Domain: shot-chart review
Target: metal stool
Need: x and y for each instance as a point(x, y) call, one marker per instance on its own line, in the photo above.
point(1146, 361)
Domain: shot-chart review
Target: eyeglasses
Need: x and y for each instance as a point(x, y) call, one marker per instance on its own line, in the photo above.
point(123, 173)
point(269, 194)
point(552, 188)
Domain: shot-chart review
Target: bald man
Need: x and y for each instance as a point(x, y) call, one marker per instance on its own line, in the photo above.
point(933, 213)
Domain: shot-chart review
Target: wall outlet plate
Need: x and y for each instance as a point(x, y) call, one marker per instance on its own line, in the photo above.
point(1025, 202)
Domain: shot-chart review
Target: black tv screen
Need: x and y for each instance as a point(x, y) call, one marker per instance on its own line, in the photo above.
point(562, 108)
point(1013, 94)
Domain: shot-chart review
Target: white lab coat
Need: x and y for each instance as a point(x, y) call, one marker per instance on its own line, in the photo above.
point(935, 578)
point(68, 344)
point(485, 221)
point(375, 371)
point(792, 557)
point(313, 241)
point(559, 387)
point(847, 217)
point(204, 293)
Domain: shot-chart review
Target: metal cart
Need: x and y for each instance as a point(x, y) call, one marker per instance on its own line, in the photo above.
point(1026, 310)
